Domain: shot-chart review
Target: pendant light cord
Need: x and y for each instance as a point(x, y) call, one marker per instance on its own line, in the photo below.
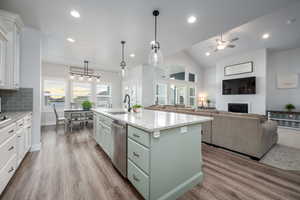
point(155, 29)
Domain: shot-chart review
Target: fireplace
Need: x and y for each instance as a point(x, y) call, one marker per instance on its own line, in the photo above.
point(238, 107)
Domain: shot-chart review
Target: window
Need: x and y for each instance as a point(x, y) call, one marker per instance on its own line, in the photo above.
point(181, 91)
point(81, 92)
point(192, 77)
point(103, 95)
point(161, 94)
point(192, 97)
point(54, 93)
point(173, 95)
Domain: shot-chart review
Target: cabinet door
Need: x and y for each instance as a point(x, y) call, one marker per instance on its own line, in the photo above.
point(16, 58)
point(28, 138)
point(3, 48)
point(95, 126)
point(99, 134)
point(20, 146)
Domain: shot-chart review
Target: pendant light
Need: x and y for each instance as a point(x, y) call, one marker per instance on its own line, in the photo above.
point(123, 63)
point(155, 56)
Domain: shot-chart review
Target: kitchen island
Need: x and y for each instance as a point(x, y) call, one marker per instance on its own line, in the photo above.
point(163, 149)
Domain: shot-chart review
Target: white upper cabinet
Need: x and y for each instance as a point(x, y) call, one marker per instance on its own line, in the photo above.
point(13, 24)
point(3, 47)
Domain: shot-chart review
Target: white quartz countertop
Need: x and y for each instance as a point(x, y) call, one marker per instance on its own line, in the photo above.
point(151, 120)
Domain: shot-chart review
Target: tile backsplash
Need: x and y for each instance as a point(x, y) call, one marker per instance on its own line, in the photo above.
point(18, 100)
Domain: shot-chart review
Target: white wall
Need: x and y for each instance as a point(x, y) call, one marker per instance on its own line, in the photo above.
point(30, 77)
point(256, 102)
point(184, 59)
point(210, 84)
point(144, 77)
point(287, 61)
point(57, 71)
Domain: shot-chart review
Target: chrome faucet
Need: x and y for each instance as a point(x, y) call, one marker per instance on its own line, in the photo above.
point(125, 99)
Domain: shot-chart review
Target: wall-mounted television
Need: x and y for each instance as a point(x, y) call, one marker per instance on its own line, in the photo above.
point(239, 86)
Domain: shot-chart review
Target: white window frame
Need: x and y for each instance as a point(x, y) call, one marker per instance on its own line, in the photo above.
point(85, 82)
point(165, 96)
point(192, 97)
point(47, 107)
point(108, 96)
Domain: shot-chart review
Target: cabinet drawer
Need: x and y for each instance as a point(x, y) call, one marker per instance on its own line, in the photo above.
point(139, 179)
point(139, 136)
point(7, 172)
point(105, 120)
point(20, 124)
point(7, 132)
point(7, 150)
point(139, 155)
point(28, 119)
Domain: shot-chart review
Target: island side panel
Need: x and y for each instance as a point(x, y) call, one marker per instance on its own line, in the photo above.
point(176, 162)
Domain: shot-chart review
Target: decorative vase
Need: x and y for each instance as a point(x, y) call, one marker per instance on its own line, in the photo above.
point(136, 110)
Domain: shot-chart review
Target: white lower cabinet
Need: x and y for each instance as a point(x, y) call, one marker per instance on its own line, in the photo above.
point(15, 142)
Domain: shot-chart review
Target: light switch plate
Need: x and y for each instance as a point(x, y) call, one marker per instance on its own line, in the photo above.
point(183, 129)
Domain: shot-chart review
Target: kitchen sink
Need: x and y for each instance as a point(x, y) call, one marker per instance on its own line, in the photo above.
point(118, 113)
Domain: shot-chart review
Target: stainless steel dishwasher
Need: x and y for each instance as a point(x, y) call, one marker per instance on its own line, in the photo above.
point(119, 153)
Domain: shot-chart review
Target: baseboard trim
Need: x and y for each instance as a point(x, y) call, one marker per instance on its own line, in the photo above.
point(36, 147)
point(184, 187)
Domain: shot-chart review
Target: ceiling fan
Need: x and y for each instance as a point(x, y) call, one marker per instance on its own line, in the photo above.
point(223, 44)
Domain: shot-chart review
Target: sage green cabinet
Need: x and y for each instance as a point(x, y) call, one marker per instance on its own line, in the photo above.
point(103, 135)
point(166, 164)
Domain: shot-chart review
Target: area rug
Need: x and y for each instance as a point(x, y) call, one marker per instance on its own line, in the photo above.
point(283, 157)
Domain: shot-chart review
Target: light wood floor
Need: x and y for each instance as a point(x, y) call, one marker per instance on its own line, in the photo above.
point(71, 167)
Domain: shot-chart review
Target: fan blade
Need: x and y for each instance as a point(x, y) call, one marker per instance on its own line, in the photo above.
point(234, 39)
point(230, 46)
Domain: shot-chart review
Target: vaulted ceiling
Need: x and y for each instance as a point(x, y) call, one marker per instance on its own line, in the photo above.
point(103, 24)
point(283, 26)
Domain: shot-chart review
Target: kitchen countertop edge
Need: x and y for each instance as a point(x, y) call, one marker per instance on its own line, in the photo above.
point(105, 113)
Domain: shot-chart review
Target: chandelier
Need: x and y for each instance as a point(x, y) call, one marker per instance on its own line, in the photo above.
point(84, 73)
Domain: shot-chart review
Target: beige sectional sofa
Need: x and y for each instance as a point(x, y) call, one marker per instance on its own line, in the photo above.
point(248, 134)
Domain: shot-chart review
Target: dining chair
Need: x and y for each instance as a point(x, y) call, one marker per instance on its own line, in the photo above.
point(58, 119)
point(77, 118)
point(89, 117)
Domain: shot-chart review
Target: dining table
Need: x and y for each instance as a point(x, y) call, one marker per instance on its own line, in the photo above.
point(85, 115)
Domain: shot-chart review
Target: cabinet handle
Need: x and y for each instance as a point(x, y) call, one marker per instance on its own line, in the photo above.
point(136, 155)
point(19, 136)
point(135, 135)
point(11, 170)
point(11, 148)
point(11, 131)
point(135, 178)
point(20, 125)
point(29, 127)
point(201, 132)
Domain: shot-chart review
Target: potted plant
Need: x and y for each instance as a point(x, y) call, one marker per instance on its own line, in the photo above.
point(208, 102)
point(136, 108)
point(86, 105)
point(290, 107)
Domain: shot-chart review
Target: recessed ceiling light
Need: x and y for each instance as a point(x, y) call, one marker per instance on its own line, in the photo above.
point(191, 19)
point(290, 21)
point(265, 36)
point(75, 13)
point(132, 55)
point(71, 40)
point(207, 54)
